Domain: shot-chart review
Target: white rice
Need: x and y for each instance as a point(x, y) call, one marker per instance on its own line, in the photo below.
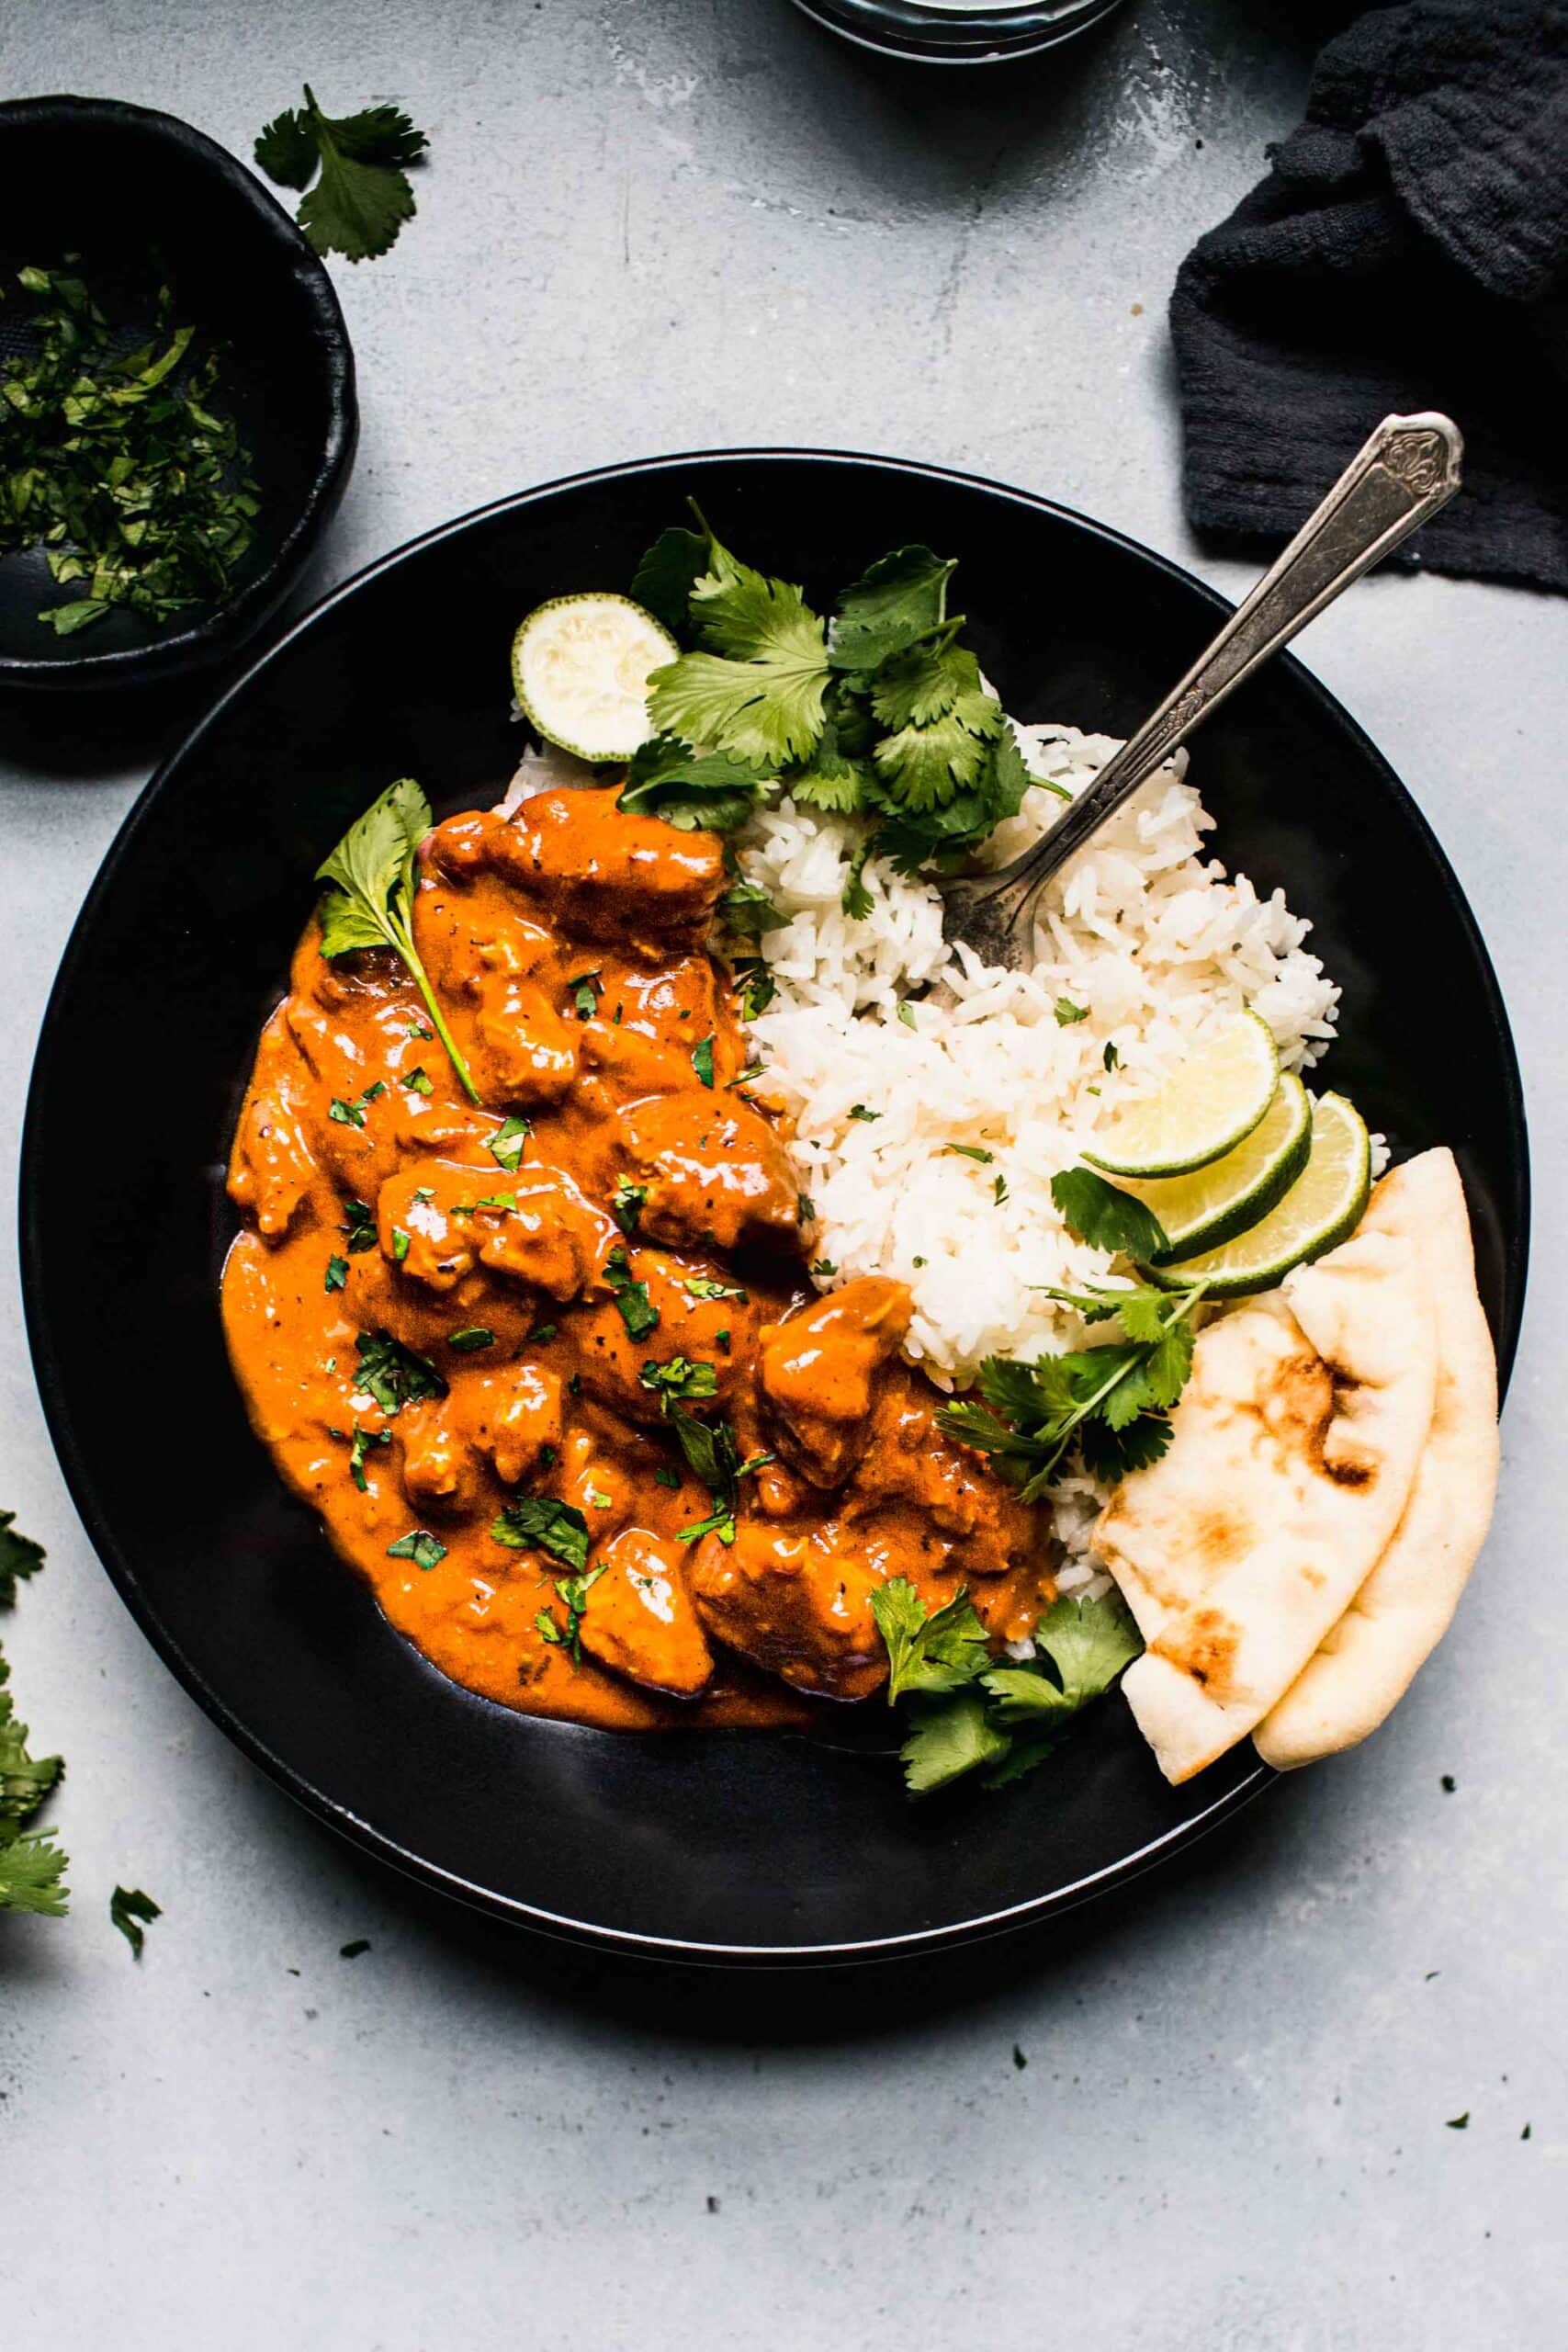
point(1156, 943)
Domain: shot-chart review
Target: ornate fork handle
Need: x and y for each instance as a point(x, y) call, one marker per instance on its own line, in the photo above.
point(1407, 469)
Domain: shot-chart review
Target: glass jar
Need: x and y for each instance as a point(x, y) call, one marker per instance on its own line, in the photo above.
point(959, 32)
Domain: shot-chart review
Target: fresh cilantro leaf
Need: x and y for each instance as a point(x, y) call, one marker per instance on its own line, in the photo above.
point(859, 1111)
point(927, 1653)
point(971, 1151)
point(713, 791)
point(359, 1446)
point(417, 1082)
point(823, 1269)
point(393, 1374)
point(701, 1060)
point(999, 1190)
point(664, 1477)
point(374, 874)
point(1067, 1012)
point(1110, 1058)
point(941, 720)
point(131, 1910)
point(1089, 1643)
point(505, 1146)
point(663, 580)
point(573, 1592)
point(363, 196)
point(701, 1286)
point(950, 1738)
point(749, 912)
point(19, 1557)
point(678, 1381)
point(586, 992)
point(359, 1225)
point(945, 835)
point(287, 149)
point(427, 1551)
point(1105, 1217)
point(896, 600)
point(637, 1311)
point(759, 694)
point(32, 1867)
point(855, 898)
point(337, 1273)
point(757, 984)
point(401, 1245)
point(626, 1205)
point(475, 1337)
point(540, 1523)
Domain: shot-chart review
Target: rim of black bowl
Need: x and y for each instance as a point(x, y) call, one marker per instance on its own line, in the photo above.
point(226, 625)
point(318, 1802)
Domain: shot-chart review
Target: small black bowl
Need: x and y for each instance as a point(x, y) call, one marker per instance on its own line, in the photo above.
point(146, 201)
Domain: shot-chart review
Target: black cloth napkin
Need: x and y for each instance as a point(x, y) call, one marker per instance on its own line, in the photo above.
point(1408, 249)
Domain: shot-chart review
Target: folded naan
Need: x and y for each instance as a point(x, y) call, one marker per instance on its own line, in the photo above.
point(1292, 1455)
point(1403, 1610)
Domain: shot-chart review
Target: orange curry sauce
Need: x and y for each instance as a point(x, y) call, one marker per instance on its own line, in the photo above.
point(567, 948)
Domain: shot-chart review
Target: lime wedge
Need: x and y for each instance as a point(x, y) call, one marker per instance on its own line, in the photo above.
point(1212, 1205)
point(1202, 1109)
point(1322, 1209)
point(581, 665)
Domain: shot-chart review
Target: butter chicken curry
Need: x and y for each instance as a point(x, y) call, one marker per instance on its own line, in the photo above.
point(549, 1365)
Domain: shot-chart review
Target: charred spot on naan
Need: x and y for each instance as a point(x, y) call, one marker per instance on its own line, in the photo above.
point(1203, 1645)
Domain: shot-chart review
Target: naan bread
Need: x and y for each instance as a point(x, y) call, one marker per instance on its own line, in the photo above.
point(1402, 1611)
point(1291, 1460)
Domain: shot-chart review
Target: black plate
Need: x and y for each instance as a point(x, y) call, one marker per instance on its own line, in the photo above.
point(724, 1846)
point(146, 201)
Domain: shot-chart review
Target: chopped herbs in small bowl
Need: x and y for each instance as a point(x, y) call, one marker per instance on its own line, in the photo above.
point(177, 413)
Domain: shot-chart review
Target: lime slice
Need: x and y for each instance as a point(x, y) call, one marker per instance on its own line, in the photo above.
point(1210, 1204)
point(1202, 1111)
point(1322, 1209)
point(581, 664)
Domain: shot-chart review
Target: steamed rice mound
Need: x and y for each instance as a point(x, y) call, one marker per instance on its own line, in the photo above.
point(898, 1057)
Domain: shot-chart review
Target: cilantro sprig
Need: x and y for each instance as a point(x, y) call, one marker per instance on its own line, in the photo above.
point(363, 196)
point(32, 1867)
point(969, 1713)
point(877, 709)
point(374, 874)
point(1108, 1406)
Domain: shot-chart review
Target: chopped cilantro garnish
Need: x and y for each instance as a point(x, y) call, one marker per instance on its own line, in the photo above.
point(417, 1082)
point(701, 1060)
point(678, 1381)
point(1110, 1058)
point(907, 1015)
point(859, 1111)
point(824, 1269)
point(541, 1524)
point(394, 1375)
point(971, 1151)
point(747, 911)
point(505, 1146)
point(586, 991)
point(637, 1311)
point(427, 1551)
point(400, 1245)
point(665, 1476)
point(600, 1500)
point(476, 1336)
point(702, 1286)
point(1067, 1012)
point(130, 1911)
point(359, 1225)
point(626, 1204)
point(541, 1334)
point(999, 1191)
point(758, 987)
point(337, 1273)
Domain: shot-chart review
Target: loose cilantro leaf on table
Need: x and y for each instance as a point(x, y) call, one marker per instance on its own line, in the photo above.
point(32, 1866)
point(363, 196)
point(374, 874)
point(19, 1557)
point(541, 1524)
point(130, 1910)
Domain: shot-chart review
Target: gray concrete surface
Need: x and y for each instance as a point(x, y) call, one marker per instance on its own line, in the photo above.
point(1212, 2114)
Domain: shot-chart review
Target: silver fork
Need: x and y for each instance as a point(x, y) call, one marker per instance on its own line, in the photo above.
point(1408, 469)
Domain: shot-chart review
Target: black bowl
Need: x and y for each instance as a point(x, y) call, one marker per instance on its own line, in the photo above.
point(146, 201)
point(724, 1846)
